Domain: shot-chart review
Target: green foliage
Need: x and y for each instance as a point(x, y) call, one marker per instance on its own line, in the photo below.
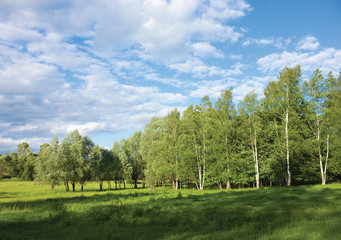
point(48, 165)
point(290, 136)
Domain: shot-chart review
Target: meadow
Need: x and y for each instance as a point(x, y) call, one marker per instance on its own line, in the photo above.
point(32, 211)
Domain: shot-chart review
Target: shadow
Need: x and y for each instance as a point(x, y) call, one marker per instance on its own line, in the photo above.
point(255, 214)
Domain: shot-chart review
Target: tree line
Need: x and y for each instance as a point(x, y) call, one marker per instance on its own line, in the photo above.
point(291, 136)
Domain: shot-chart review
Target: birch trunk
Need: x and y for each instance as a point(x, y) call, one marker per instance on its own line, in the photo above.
point(319, 149)
point(254, 149)
point(287, 143)
point(228, 184)
point(176, 184)
point(324, 175)
point(256, 158)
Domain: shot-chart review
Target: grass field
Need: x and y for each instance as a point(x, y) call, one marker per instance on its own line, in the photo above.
point(31, 211)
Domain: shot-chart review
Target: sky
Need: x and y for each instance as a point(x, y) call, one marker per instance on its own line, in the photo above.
point(106, 67)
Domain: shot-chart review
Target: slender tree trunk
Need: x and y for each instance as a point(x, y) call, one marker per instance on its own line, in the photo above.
point(176, 173)
point(73, 186)
point(101, 186)
point(203, 178)
point(199, 169)
point(287, 143)
point(173, 182)
point(67, 188)
point(52, 187)
point(82, 188)
point(124, 184)
point(256, 154)
point(253, 140)
point(228, 184)
point(177, 184)
point(256, 165)
point(135, 183)
point(324, 176)
point(319, 150)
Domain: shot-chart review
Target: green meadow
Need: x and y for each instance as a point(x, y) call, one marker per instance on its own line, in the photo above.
point(32, 211)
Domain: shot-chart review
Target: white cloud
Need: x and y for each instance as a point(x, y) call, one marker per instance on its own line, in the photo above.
point(8, 144)
point(308, 43)
point(204, 49)
point(328, 59)
point(264, 41)
point(12, 33)
point(235, 56)
point(199, 69)
point(210, 88)
point(127, 23)
point(93, 65)
point(225, 10)
point(240, 87)
point(279, 42)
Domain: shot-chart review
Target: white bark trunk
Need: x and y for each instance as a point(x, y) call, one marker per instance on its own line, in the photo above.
point(324, 176)
point(319, 150)
point(287, 143)
point(256, 165)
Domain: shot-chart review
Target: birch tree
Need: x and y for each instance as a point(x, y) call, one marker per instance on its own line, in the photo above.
point(226, 112)
point(249, 111)
point(150, 148)
point(315, 92)
point(283, 96)
point(171, 145)
point(197, 132)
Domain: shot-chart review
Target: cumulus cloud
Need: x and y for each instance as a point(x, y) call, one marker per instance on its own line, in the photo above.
point(199, 69)
point(240, 87)
point(94, 65)
point(328, 59)
point(308, 43)
point(279, 42)
point(204, 49)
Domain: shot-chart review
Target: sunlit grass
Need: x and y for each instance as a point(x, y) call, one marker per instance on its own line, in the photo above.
point(305, 212)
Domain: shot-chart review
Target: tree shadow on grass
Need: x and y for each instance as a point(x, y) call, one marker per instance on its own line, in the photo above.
point(224, 215)
point(46, 204)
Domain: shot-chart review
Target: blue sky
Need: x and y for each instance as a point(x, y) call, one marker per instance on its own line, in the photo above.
point(106, 67)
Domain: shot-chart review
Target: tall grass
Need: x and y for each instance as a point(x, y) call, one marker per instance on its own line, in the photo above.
point(30, 211)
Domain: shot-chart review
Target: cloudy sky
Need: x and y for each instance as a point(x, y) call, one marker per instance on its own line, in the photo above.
point(106, 67)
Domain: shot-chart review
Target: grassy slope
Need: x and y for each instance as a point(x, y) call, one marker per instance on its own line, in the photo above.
point(31, 211)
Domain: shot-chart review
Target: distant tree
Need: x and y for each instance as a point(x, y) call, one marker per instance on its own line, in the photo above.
point(88, 145)
point(8, 165)
point(102, 165)
point(138, 165)
point(26, 162)
point(4, 166)
point(48, 165)
point(71, 152)
point(126, 163)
